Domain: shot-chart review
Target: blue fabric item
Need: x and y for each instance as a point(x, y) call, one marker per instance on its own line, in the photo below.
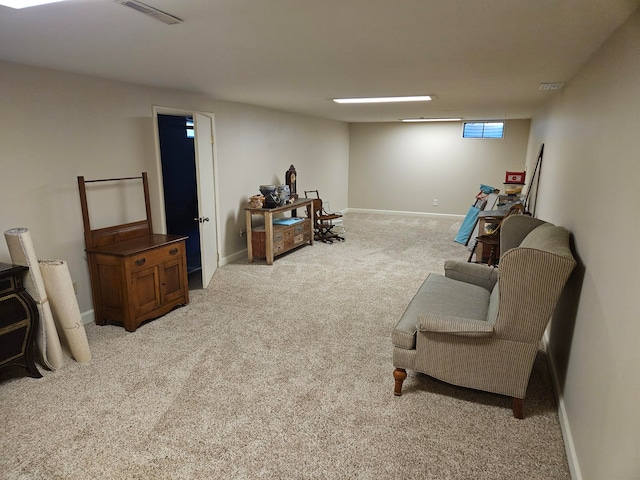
point(468, 224)
point(286, 220)
point(486, 189)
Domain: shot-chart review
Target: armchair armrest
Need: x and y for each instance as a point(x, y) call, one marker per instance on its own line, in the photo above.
point(481, 275)
point(465, 327)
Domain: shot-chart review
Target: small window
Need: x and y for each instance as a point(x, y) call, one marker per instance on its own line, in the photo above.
point(191, 133)
point(483, 130)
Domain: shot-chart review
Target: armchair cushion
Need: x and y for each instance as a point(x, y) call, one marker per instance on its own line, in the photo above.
point(444, 297)
point(454, 325)
point(474, 273)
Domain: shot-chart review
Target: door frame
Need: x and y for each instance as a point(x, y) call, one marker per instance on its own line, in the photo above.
point(160, 110)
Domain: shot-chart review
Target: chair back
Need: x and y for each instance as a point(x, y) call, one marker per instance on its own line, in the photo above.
point(516, 209)
point(532, 277)
point(316, 208)
point(515, 229)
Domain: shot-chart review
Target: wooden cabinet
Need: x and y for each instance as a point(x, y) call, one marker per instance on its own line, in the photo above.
point(18, 320)
point(139, 279)
point(269, 240)
point(136, 275)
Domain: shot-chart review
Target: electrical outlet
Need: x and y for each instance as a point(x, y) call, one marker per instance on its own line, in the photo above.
point(435, 202)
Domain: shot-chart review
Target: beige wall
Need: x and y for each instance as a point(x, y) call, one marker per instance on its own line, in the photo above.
point(257, 146)
point(403, 167)
point(55, 126)
point(590, 176)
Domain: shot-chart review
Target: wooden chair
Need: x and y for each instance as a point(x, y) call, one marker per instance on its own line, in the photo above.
point(492, 240)
point(323, 222)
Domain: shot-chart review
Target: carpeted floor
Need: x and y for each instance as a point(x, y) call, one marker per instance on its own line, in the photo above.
point(279, 372)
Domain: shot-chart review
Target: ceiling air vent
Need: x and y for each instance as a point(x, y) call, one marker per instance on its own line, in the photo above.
point(150, 11)
point(551, 86)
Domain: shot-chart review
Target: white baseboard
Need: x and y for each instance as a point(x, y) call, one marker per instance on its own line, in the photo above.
point(401, 212)
point(565, 427)
point(88, 317)
point(233, 257)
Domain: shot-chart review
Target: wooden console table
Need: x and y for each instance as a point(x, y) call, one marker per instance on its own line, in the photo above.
point(272, 240)
point(18, 320)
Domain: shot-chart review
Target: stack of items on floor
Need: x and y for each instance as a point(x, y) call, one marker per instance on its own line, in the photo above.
point(513, 185)
point(49, 283)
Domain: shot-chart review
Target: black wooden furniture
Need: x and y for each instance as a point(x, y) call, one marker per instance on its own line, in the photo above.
point(18, 320)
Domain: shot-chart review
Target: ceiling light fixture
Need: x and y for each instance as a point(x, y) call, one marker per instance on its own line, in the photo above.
point(415, 98)
point(422, 119)
point(26, 3)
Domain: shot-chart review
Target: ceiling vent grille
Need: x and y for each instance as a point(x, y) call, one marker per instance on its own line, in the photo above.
point(551, 86)
point(150, 11)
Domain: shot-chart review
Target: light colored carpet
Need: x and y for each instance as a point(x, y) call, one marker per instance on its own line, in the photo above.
point(280, 372)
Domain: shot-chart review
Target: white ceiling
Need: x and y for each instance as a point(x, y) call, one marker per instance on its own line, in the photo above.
point(483, 59)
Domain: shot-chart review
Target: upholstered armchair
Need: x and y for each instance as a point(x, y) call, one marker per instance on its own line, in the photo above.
point(480, 327)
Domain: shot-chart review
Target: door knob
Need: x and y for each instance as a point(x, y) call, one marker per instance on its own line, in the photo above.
point(205, 219)
point(202, 219)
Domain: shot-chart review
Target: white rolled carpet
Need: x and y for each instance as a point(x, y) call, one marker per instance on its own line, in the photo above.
point(22, 253)
point(64, 305)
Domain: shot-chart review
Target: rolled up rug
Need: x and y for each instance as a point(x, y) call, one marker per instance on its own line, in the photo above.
point(64, 305)
point(22, 253)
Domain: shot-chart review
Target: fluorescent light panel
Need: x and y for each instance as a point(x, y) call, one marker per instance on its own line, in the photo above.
point(26, 3)
point(431, 119)
point(415, 98)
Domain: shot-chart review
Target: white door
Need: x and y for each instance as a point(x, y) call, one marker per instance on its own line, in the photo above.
point(203, 126)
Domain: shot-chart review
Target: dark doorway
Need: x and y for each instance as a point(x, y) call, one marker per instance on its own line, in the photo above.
point(177, 155)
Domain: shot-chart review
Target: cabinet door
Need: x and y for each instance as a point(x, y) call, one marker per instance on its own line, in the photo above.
point(108, 287)
point(14, 327)
point(145, 293)
point(173, 283)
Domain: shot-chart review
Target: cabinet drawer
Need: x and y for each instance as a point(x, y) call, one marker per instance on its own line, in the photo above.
point(299, 228)
point(153, 257)
point(293, 241)
point(13, 309)
point(13, 341)
point(294, 230)
point(278, 247)
point(9, 284)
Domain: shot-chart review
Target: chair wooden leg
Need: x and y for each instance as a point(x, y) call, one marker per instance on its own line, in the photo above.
point(399, 374)
point(518, 408)
point(473, 250)
point(492, 256)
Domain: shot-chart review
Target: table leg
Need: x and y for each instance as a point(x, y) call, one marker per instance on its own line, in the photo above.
point(268, 240)
point(249, 236)
point(310, 214)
